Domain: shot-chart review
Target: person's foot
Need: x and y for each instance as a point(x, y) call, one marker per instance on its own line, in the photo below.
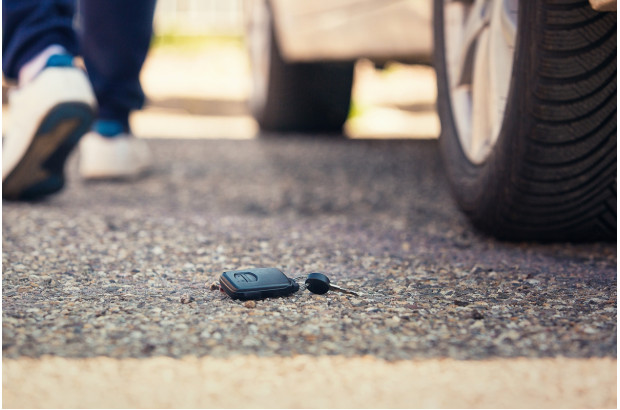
point(48, 115)
point(108, 152)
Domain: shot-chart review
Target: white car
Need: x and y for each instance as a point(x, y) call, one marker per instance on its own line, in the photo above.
point(526, 96)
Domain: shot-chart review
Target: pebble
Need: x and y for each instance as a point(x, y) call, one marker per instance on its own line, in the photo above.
point(186, 298)
point(476, 315)
point(250, 304)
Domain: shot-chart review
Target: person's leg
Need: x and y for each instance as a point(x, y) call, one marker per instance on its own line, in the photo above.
point(30, 26)
point(114, 39)
point(52, 107)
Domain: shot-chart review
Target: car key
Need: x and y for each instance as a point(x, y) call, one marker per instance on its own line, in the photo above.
point(257, 283)
point(320, 284)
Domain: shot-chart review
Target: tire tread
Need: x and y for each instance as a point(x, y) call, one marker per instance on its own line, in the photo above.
point(563, 185)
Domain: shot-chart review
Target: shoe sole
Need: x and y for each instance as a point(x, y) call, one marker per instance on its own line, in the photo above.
point(41, 170)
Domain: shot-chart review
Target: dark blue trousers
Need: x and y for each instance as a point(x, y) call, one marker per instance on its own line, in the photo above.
point(113, 37)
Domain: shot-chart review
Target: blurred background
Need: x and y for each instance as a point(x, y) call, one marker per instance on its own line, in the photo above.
point(197, 76)
point(197, 79)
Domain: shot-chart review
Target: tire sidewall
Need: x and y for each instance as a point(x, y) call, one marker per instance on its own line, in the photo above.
point(481, 190)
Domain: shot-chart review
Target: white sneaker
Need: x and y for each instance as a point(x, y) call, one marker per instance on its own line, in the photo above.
point(48, 115)
point(119, 157)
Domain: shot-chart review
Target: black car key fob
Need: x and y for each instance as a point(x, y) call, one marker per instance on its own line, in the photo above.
point(257, 283)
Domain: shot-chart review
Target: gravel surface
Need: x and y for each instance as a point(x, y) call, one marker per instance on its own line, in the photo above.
point(125, 270)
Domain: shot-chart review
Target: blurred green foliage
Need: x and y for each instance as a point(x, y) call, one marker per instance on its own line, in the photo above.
point(192, 42)
point(357, 109)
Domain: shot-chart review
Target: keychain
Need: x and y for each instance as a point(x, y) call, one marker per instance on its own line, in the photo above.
point(260, 283)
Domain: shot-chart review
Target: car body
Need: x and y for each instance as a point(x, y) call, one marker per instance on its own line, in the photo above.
point(350, 29)
point(318, 30)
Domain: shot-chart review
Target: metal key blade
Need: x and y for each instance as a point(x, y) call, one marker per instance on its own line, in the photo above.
point(336, 288)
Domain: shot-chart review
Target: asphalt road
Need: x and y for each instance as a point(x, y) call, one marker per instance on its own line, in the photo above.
point(103, 269)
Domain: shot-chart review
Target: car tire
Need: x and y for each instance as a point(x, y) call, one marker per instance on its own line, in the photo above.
point(549, 172)
point(294, 97)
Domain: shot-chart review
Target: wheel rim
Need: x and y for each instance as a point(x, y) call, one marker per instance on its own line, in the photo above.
point(480, 38)
point(259, 40)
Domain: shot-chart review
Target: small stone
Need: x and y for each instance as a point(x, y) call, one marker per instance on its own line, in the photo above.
point(186, 298)
point(476, 315)
point(148, 348)
point(589, 330)
point(478, 324)
point(100, 312)
point(310, 338)
point(213, 285)
point(250, 342)
point(250, 304)
point(461, 303)
point(533, 281)
point(49, 282)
